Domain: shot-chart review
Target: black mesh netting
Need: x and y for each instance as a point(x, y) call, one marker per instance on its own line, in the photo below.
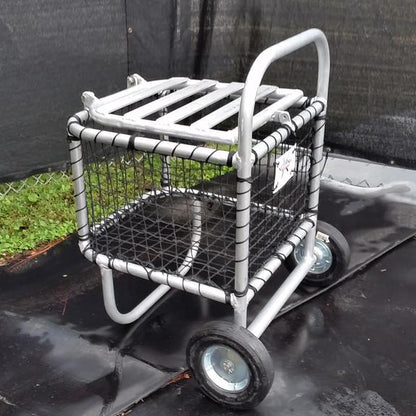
point(143, 207)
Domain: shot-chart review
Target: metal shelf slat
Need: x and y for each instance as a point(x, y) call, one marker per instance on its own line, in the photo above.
point(201, 103)
point(170, 99)
point(137, 93)
point(228, 110)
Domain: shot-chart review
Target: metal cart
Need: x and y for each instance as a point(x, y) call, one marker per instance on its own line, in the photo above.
point(208, 187)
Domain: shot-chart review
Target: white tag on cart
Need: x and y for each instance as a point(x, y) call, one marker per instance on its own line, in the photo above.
point(285, 169)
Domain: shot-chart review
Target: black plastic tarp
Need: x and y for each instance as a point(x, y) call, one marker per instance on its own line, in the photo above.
point(53, 50)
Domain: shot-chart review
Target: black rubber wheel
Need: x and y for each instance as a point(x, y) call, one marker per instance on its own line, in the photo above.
point(230, 364)
point(333, 260)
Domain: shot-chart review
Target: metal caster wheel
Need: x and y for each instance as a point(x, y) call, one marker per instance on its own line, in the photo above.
point(230, 364)
point(332, 253)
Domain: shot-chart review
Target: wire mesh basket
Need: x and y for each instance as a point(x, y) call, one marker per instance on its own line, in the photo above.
point(152, 210)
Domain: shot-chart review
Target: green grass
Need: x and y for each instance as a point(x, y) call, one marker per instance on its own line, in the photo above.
point(43, 212)
point(37, 214)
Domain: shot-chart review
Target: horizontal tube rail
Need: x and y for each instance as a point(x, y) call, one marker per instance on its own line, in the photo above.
point(262, 147)
point(145, 144)
point(153, 127)
point(263, 116)
point(77, 129)
point(156, 276)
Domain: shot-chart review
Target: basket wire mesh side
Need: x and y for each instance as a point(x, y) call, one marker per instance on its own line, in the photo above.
point(141, 208)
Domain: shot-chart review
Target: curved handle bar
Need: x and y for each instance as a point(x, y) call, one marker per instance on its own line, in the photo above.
point(255, 76)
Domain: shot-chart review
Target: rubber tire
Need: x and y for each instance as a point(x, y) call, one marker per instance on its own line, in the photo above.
point(341, 254)
point(251, 350)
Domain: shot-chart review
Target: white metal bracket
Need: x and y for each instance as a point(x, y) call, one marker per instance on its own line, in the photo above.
point(281, 117)
point(88, 98)
point(134, 79)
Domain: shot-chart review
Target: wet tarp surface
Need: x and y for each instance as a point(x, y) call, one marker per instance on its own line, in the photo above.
point(61, 354)
point(350, 352)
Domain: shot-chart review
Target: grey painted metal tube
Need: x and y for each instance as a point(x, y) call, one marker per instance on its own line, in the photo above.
point(77, 167)
point(165, 148)
point(100, 109)
point(281, 134)
point(315, 178)
point(276, 302)
point(75, 149)
point(244, 157)
point(195, 238)
point(259, 67)
point(149, 126)
point(110, 302)
point(131, 95)
point(156, 276)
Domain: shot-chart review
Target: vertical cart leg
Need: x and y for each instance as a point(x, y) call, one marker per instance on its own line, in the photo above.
point(77, 167)
point(267, 314)
point(240, 299)
point(315, 178)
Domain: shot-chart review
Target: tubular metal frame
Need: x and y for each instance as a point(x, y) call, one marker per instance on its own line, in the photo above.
point(246, 156)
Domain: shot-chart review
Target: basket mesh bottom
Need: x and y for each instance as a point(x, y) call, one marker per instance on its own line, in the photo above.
point(157, 234)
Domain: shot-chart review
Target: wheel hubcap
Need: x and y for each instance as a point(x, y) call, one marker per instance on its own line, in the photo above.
point(322, 253)
point(225, 367)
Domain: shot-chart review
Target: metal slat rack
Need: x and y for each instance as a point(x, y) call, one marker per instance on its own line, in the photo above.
point(175, 183)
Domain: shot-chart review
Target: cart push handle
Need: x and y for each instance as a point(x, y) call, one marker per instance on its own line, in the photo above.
point(244, 155)
point(255, 76)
